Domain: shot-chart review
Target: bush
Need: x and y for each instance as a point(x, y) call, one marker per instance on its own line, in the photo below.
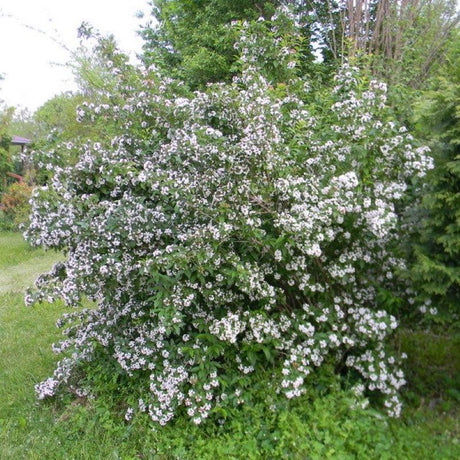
point(433, 372)
point(14, 206)
point(230, 237)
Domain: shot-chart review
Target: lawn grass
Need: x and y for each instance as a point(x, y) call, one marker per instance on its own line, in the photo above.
point(25, 333)
point(316, 428)
point(20, 264)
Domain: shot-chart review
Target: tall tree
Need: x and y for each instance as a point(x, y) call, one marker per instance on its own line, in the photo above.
point(193, 40)
point(403, 38)
point(437, 252)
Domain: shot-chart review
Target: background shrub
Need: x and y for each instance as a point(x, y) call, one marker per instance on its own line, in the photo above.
point(14, 206)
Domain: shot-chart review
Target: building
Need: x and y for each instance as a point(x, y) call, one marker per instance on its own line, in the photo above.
point(18, 140)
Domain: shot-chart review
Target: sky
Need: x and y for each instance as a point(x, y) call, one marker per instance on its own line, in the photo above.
point(34, 35)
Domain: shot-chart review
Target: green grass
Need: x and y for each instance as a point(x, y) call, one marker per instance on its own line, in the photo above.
point(25, 333)
point(20, 264)
point(312, 427)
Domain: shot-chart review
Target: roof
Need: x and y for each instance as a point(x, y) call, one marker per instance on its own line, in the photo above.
point(18, 140)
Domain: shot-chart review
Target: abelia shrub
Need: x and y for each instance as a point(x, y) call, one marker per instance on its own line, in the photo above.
point(228, 234)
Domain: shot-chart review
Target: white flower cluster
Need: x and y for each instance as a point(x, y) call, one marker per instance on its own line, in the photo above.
point(226, 230)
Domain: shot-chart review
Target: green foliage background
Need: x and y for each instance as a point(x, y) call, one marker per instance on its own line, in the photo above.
point(436, 267)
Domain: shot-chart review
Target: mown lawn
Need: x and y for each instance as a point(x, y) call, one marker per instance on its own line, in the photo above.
point(316, 428)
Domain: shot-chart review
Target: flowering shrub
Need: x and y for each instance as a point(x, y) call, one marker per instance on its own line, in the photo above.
point(230, 234)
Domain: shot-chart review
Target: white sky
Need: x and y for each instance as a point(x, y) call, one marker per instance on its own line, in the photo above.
point(33, 63)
